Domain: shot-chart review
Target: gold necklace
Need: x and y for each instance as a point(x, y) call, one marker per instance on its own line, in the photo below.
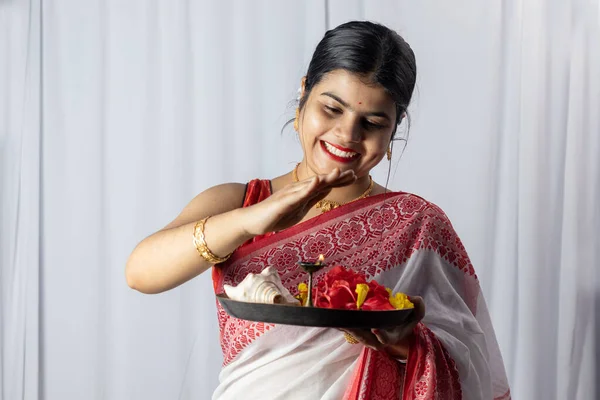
point(328, 205)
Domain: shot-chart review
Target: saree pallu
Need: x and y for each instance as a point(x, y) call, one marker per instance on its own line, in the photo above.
point(403, 242)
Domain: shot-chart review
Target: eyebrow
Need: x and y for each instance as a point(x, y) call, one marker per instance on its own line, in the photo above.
point(342, 102)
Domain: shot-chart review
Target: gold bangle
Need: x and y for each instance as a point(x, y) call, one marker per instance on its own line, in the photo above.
point(202, 247)
point(350, 339)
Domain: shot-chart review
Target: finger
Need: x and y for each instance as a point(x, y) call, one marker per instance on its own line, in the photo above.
point(334, 174)
point(315, 179)
point(316, 194)
point(389, 336)
point(298, 186)
point(419, 310)
point(346, 173)
point(292, 193)
point(319, 186)
point(345, 176)
point(342, 180)
point(310, 196)
point(319, 189)
point(293, 196)
point(333, 177)
point(394, 335)
point(316, 198)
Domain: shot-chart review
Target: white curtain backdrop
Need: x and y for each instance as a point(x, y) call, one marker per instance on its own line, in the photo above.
point(114, 114)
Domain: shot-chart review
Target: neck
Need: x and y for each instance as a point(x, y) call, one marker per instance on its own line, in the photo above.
point(340, 194)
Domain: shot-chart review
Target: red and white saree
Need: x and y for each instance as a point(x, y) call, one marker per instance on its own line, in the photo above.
point(403, 242)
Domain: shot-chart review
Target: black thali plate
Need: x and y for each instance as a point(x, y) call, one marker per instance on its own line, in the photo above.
point(313, 316)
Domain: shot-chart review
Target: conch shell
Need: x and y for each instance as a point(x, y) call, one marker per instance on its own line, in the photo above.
point(265, 287)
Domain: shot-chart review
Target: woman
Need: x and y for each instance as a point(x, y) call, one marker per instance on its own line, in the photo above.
point(354, 95)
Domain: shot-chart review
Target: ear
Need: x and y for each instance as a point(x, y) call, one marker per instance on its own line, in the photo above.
point(302, 86)
point(403, 116)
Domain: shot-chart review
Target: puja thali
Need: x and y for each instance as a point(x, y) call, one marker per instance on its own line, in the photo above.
point(313, 316)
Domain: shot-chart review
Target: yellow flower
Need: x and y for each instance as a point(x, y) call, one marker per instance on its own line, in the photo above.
point(302, 293)
point(400, 301)
point(361, 290)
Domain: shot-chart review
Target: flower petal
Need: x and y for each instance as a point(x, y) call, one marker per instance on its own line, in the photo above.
point(400, 301)
point(362, 289)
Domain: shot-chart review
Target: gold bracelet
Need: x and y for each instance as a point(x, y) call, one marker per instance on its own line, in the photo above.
point(202, 247)
point(350, 339)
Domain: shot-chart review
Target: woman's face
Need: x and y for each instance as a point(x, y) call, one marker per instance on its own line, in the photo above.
point(346, 123)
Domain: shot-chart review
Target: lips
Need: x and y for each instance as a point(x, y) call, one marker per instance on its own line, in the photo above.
point(338, 153)
point(341, 148)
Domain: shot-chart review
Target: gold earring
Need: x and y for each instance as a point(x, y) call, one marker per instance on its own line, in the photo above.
point(389, 153)
point(296, 119)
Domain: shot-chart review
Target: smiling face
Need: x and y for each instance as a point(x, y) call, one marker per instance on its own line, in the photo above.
point(347, 123)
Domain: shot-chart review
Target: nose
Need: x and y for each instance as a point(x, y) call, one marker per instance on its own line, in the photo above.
point(349, 130)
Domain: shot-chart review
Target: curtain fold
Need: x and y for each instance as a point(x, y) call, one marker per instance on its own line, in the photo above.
point(20, 184)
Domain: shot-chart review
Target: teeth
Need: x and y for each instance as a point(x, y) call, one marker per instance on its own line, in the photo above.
point(338, 152)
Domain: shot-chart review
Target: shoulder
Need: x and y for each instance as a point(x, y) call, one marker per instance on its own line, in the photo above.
point(410, 202)
point(215, 200)
point(432, 230)
point(419, 210)
point(228, 188)
point(228, 195)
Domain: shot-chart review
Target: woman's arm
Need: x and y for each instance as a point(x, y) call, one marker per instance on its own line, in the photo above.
point(168, 258)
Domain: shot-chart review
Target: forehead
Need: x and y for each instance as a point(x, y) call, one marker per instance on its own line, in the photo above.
point(355, 89)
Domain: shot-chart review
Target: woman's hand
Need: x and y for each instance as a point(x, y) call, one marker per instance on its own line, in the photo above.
point(393, 341)
point(289, 205)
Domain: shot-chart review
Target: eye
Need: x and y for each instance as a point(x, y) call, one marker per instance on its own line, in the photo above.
point(332, 110)
point(372, 125)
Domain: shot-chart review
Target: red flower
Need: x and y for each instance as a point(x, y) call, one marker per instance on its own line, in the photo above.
point(377, 299)
point(374, 303)
point(337, 289)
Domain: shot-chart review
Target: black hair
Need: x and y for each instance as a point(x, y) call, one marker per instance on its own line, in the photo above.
point(371, 50)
